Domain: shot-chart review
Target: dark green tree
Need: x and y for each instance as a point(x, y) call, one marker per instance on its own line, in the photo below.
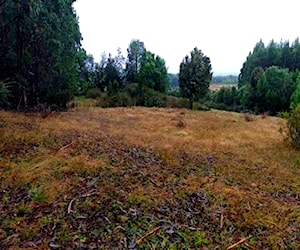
point(111, 72)
point(195, 76)
point(153, 73)
point(280, 54)
point(135, 53)
point(257, 58)
point(295, 99)
point(275, 88)
point(100, 73)
point(86, 72)
point(38, 53)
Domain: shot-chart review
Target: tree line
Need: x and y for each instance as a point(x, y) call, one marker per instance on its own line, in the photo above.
point(268, 81)
point(144, 80)
point(138, 79)
point(42, 63)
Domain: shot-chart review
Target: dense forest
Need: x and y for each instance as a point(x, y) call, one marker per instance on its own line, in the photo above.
point(268, 81)
point(43, 65)
point(39, 53)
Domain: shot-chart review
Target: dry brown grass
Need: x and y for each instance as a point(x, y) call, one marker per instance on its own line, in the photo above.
point(147, 159)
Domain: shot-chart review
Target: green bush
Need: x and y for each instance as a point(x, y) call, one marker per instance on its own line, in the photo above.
point(119, 99)
point(94, 93)
point(176, 102)
point(152, 98)
point(199, 106)
point(293, 126)
point(103, 101)
point(124, 100)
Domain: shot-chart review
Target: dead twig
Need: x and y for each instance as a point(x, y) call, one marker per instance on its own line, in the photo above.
point(190, 228)
point(249, 246)
point(70, 206)
point(153, 182)
point(222, 221)
point(65, 147)
point(90, 194)
point(153, 231)
point(238, 243)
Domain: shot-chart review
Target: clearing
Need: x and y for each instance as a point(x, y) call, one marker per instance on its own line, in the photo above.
point(147, 178)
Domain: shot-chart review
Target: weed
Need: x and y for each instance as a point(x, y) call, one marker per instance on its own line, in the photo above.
point(45, 220)
point(3, 125)
point(37, 194)
point(179, 122)
point(88, 205)
point(137, 199)
point(248, 117)
point(23, 209)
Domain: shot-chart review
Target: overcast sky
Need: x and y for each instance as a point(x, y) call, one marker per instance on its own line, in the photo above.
point(225, 30)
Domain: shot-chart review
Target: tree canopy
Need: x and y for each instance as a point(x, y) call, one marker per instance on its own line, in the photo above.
point(268, 80)
point(283, 54)
point(195, 76)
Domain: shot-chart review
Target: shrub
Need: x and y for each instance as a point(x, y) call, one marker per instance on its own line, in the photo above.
point(179, 122)
point(153, 98)
point(119, 99)
point(293, 126)
point(103, 101)
point(248, 117)
point(94, 93)
point(199, 106)
point(176, 102)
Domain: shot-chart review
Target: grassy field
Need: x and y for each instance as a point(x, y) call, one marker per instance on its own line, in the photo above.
point(147, 178)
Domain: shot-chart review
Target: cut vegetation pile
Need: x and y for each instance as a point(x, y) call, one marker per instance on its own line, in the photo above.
point(147, 179)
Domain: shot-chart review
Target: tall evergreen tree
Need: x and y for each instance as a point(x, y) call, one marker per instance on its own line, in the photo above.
point(282, 55)
point(195, 76)
point(38, 51)
point(135, 52)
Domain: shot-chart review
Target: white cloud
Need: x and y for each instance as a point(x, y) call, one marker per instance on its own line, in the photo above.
point(224, 30)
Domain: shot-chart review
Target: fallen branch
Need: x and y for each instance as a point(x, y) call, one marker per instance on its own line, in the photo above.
point(90, 194)
point(153, 182)
point(70, 206)
point(65, 147)
point(222, 221)
point(238, 243)
point(153, 231)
